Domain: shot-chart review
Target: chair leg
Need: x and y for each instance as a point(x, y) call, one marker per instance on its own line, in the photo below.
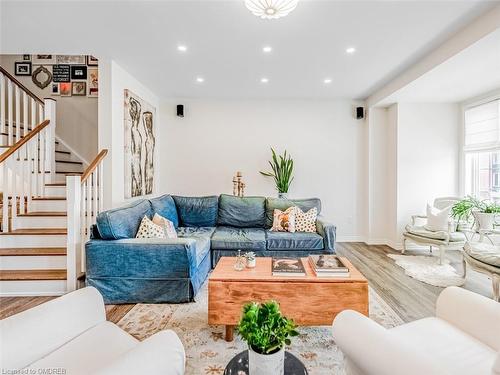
point(464, 266)
point(404, 246)
point(430, 249)
point(441, 254)
point(495, 279)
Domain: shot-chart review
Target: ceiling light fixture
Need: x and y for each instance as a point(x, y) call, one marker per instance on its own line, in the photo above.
point(271, 9)
point(327, 80)
point(264, 80)
point(350, 50)
point(181, 48)
point(200, 79)
point(267, 49)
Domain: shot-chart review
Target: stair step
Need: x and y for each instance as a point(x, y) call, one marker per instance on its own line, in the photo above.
point(33, 251)
point(23, 275)
point(44, 213)
point(69, 162)
point(36, 231)
point(63, 152)
point(48, 198)
point(56, 184)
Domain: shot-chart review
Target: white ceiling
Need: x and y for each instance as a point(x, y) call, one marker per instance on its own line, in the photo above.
point(225, 42)
point(472, 72)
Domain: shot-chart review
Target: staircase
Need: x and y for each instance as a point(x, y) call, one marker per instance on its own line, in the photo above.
point(42, 233)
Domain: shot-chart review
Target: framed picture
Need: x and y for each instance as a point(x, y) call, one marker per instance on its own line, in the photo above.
point(22, 68)
point(26, 57)
point(93, 82)
point(92, 61)
point(79, 88)
point(43, 59)
point(78, 72)
point(55, 89)
point(70, 59)
point(65, 89)
point(61, 73)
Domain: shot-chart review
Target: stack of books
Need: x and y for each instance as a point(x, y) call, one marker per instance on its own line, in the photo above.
point(288, 267)
point(328, 266)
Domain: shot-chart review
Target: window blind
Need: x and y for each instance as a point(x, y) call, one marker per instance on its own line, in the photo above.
point(482, 127)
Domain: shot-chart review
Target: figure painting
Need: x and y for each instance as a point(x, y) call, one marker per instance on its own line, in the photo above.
point(140, 119)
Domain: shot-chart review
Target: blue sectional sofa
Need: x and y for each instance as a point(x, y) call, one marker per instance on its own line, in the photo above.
point(126, 269)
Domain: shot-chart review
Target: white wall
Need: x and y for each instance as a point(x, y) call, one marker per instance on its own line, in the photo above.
point(201, 152)
point(76, 120)
point(113, 80)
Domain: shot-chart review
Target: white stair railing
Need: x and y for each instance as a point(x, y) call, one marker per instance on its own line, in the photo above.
point(84, 197)
point(23, 175)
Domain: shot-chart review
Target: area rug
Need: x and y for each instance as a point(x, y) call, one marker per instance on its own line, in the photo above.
point(207, 353)
point(428, 270)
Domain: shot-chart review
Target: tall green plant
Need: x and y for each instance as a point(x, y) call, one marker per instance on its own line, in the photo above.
point(264, 328)
point(462, 210)
point(282, 166)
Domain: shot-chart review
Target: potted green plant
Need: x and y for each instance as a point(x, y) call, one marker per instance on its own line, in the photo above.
point(282, 166)
point(480, 212)
point(266, 331)
point(250, 256)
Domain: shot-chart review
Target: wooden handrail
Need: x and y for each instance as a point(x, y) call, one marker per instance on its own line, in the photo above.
point(91, 168)
point(25, 89)
point(16, 146)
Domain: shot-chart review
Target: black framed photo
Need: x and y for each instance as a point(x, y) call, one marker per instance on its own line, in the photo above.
point(92, 61)
point(60, 73)
point(78, 72)
point(22, 68)
point(26, 57)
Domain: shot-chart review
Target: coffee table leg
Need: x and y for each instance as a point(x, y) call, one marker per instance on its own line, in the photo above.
point(229, 333)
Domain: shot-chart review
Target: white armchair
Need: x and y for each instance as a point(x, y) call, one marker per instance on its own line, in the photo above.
point(463, 339)
point(444, 240)
point(70, 334)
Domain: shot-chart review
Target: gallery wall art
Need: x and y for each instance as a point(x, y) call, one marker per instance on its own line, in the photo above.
point(139, 127)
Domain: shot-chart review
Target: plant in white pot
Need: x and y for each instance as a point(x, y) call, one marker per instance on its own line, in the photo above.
point(282, 166)
point(266, 331)
point(483, 213)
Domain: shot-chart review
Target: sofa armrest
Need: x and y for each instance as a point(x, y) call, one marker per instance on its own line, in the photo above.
point(161, 353)
point(370, 349)
point(472, 313)
point(34, 333)
point(328, 231)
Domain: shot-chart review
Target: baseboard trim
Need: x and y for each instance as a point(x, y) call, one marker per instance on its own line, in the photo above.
point(351, 239)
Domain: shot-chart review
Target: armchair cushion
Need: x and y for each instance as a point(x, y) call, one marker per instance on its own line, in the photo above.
point(421, 231)
point(484, 252)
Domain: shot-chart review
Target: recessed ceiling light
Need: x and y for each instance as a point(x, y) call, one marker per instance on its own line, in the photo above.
point(264, 80)
point(200, 79)
point(327, 80)
point(350, 50)
point(182, 48)
point(267, 49)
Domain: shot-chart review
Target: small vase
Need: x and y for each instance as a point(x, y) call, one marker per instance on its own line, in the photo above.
point(251, 263)
point(485, 221)
point(283, 195)
point(266, 364)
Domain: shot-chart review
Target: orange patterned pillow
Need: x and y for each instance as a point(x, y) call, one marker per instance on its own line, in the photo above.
point(284, 221)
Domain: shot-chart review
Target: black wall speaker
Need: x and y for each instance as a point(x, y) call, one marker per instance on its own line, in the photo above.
point(180, 110)
point(360, 113)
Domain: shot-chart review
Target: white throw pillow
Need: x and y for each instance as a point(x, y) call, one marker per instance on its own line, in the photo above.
point(148, 229)
point(167, 225)
point(306, 221)
point(437, 219)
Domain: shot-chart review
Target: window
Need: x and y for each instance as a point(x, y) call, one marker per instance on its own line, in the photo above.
point(482, 151)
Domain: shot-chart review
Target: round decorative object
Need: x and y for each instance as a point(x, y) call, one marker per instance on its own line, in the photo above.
point(239, 365)
point(41, 77)
point(271, 9)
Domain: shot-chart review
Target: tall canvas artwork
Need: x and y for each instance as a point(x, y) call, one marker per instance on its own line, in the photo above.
point(140, 117)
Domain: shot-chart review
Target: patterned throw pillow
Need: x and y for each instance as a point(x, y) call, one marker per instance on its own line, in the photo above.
point(284, 221)
point(306, 221)
point(167, 225)
point(148, 229)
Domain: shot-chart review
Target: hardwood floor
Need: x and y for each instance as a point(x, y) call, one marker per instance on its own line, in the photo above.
point(410, 299)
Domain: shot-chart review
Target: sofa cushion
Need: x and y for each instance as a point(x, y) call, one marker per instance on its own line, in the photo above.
point(123, 222)
point(165, 206)
point(242, 212)
point(283, 204)
point(88, 352)
point(239, 238)
point(484, 252)
point(197, 211)
point(293, 241)
point(202, 237)
point(421, 231)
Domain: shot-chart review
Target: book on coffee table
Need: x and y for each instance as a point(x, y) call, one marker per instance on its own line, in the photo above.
point(288, 267)
point(328, 266)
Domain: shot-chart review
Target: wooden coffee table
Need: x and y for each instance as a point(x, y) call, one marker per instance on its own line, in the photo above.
point(308, 300)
